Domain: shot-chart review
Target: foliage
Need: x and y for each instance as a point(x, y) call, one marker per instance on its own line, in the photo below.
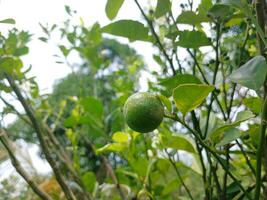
point(211, 144)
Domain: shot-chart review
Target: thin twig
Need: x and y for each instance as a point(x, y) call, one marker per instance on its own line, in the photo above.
point(16, 164)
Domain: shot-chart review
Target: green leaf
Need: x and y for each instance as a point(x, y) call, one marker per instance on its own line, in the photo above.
point(252, 74)
point(172, 82)
point(114, 147)
point(219, 12)
point(225, 133)
point(89, 180)
point(189, 96)
point(254, 104)
point(229, 135)
point(8, 21)
point(166, 102)
point(113, 7)
point(121, 137)
point(10, 64)
point(177, 142)
point(92, 106)
point(21, 51)
point(190, 17)
point(192, 39)
point(163, 6)
point(64, 50)
point(133, 30)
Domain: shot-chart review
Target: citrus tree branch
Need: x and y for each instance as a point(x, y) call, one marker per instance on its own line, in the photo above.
point(160, 45)
point(262, 143)
point(43, 140)
point(16, 164)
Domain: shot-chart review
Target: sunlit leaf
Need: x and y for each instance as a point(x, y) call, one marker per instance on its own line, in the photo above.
point(189, 96)
point(120, 137)
point(113, 7)
point(172, 82)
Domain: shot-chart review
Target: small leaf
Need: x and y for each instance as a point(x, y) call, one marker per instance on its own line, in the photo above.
point(114, 147)
point(166, 102)
point(190, 17)
point(220, 136)
point(219, 12)
point(121, 137)
point(252, 74)
point(163, 6)
point(89, 180)
point(177, 142)
point(133, 30)
point(112, 8)
point(8, 21)
point(10, 64)
point(229, 135)
point(192, 39)
point(189, 96)
point(254, 104)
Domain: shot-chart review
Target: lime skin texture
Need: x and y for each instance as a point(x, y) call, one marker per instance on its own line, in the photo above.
point(143, 112)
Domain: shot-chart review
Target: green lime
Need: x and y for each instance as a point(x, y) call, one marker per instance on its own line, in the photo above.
point(143, 112)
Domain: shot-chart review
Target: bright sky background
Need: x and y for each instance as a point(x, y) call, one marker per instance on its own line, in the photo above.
point(29, 13)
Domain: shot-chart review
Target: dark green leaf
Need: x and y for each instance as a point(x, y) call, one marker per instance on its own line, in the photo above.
point(189, 96)
point(113, 7)
point(190, 17)
point(252, 74)
point(133, 30)
point(21, 51)
point(192, 39)
point(219, 12)
point(163, 6)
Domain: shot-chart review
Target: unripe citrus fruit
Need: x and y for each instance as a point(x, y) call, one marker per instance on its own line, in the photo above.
point(143, 112)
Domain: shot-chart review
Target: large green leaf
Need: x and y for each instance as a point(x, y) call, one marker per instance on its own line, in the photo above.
point(189, 96)
point(252, 74)
point(227, 133)
point(190, 17)
point(133, 30)
point(163, 6)
point(177, 142)
point(172, 82)
point(113, 7)
point(192, 39)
